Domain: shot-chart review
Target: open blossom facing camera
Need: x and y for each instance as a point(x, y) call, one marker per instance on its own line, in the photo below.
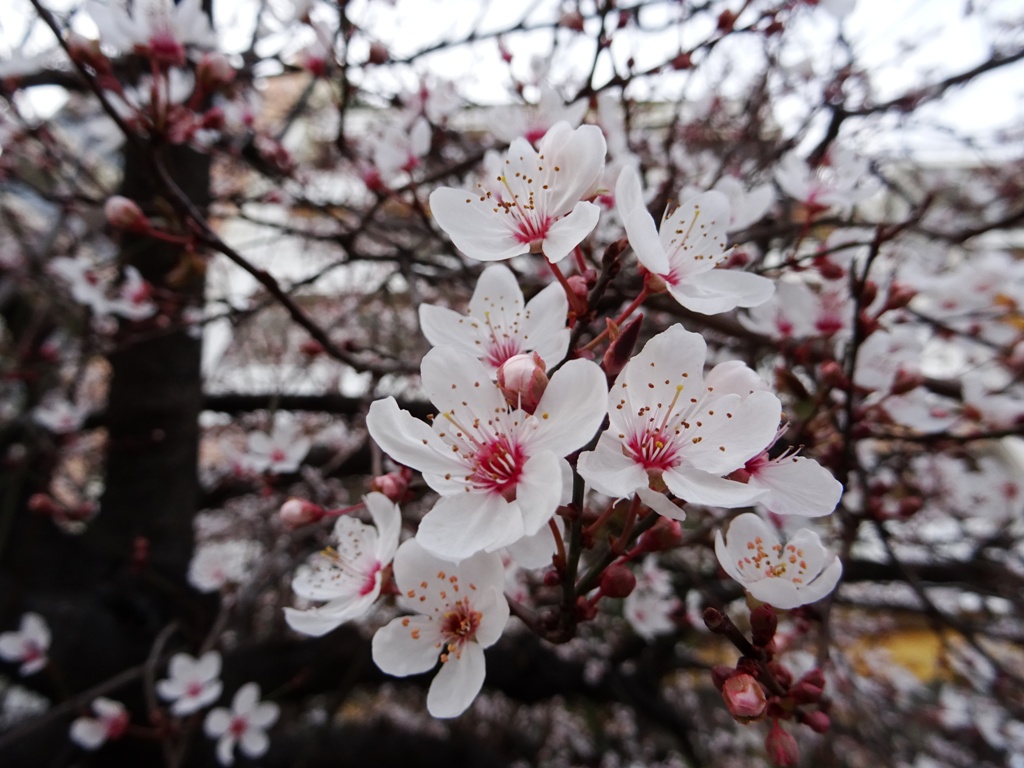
point(279, 452)
point(245, 724)
point(498, 469)
point(193, 683)
point(801, 571)
point(109, 724)
point(672, 427)
point(461, 610)
point(498, 326)
point(28, 645)
point(160, 28)
point(685, 251)
point(348, 575)
point(532, 203)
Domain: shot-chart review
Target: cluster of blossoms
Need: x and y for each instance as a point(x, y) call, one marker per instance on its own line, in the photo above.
point(527, 430)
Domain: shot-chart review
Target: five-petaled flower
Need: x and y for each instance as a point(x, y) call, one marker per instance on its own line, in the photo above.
point(531, 203)
point(784, 575)
point(498, 326)
point(193, 683)
point(157, 28)
point(110, 723)
point(28, 645)
point(245, 724)
point(687, 248)
point(348, 575)
point(499, 470)
point(462, 610)
point(670, 426)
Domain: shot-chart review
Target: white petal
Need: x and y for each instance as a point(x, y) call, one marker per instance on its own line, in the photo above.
point(445, 327)
point(226, 749)
point(388, 518)
point(734, 432)
point(609, 471)
point(640, 227)
point(473, 226)
point(34, 627)
point(461, 525)
point(674, 358)
point(397, 652)
point(494, 613)
point(571, 409)
point(460, 384)
point(538, 493)
point(580, 156)
point(497, 293)
point(88, 733)
point(208, 667)
point(254, 743)
point(317, 622)
point(217, 722)
point(721, 290)
point(696, 487)
point(660, 503)
point(544, 328)
point(799, 486)
point(408, 440)
point(265, 715)
point(569, 231)
point(245, 698)
point(457, 683)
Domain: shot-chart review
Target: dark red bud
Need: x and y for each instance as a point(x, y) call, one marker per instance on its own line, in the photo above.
point(617, 581)
point(763, 623)
point(621, 349)
point(665, 534)
point(720, 674)
point(818, 722)
point(808, 689)
point(781, 747)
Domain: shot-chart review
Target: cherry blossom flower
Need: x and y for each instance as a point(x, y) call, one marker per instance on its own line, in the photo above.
point(746, 205)
point(797, 573)
point(687, 248)
point(110, 723)
point(648, 608)
point(160, 28)
point(672, 427)
point(133, 297)
point(461, 611)
point(533, 122)
point(532, 202)
point(28, 645)
point(86, 287)
point(245, 724)
point(59, 416)
point(219, 563)
point(498, 326)
point(840, 181)
point(400, 147)
point(279, 452)
point(499, 470)
point(193, 683)
point(348, 575)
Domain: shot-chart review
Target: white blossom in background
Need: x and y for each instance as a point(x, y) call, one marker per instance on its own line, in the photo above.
point(27, 645)
point(747, 205)
point(499, 470)
point(532, 203)
point(133, 300)
point(347, 575)
point(400, 147)
point(85, 286)
point(498, 326)
point(685, 251)
point(110, 722)
point(217, 564)
point(59, 416)
point(18, 704)
point(534, 121)
point(193, 683)
point(649, 607)
point(670, 427)
point(279, 452)
point(162, 28)
point(787, 575)
point(244, 725)
point(461, 609)
point(841, 180)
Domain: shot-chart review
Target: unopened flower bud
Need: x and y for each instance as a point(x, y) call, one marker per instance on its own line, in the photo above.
point(571, 20)
point(744, 698)
point(123, 213)
point(298, 512)
point(818, 722)
point(720, 674)
point(552, 578)
point(522, 379)
point(868, 293)
point(214, 70)
point(906, 381)
point(87, 52)
point(617, 581)
point(664, 534)
point(808, 689)
point(781, 747)
point(379, 53)
point(682, 61)
point(909, 506)
point(763, 623)
point(899, 296)
point(393, 485)
point(832, 375)
point(578, 285)
point(42, 503)
point(830, 270)
point(621, 349)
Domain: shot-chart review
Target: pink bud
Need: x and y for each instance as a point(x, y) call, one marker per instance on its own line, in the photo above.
point(763, 623)
point(123, 213)
point(378, 53)
point(664, 534)
point(298, 512)
point(817, 721)
point(522, 379)
point(781, 747)
point(214, 70)
point(808, 688)
point(393, 484)
point(617, 581)
point(744, 698)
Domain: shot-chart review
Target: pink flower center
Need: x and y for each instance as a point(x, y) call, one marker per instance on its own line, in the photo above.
point(499, 467)
point(277, 455)
point(117, 725)
point(532, 231)
point(458, 626)
point(501, 349)
point(370, 583)
point(239, 725)
point(193, 690)
point(653, 450)
point(31, 651)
